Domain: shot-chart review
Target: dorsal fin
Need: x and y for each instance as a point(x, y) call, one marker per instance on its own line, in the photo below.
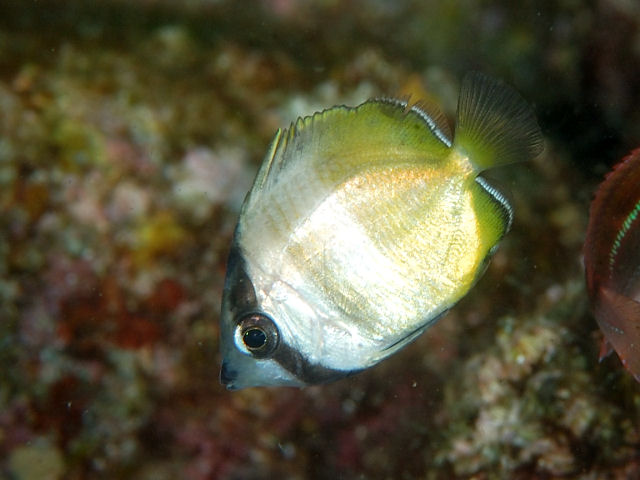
point(335, 144)
point(494, 124)
point(435, 118)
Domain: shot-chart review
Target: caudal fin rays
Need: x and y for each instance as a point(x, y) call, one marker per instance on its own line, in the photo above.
point(495, 126)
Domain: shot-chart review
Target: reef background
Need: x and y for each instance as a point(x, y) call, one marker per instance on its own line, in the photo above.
point(130, 132)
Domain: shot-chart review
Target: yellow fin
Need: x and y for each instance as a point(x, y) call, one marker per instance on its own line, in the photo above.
point(432, 114)
point(494, 208)
point(495, 126)
point(495, 216)
point(327, 148)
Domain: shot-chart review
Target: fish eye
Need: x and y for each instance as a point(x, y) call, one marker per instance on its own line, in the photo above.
point(259, 334)
point(254, 338)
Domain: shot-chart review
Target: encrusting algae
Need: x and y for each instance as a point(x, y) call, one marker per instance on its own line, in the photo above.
point(117, 113)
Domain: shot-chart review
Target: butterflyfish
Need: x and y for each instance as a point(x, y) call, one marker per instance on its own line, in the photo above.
point(363, 227)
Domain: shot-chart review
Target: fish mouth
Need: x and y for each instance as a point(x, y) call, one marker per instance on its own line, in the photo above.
point(228, 376)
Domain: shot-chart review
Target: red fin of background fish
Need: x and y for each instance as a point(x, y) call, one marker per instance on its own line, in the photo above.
point(606, 349)
point(619, 320)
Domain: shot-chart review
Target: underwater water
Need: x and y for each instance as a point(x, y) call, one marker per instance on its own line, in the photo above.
point(130, 133)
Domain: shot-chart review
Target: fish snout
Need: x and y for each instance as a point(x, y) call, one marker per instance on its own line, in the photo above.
point(228, 375)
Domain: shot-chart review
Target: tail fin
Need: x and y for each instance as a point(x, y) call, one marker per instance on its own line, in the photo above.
point(495, 126)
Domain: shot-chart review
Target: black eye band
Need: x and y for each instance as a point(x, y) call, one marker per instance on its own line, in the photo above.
point(259, 334)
